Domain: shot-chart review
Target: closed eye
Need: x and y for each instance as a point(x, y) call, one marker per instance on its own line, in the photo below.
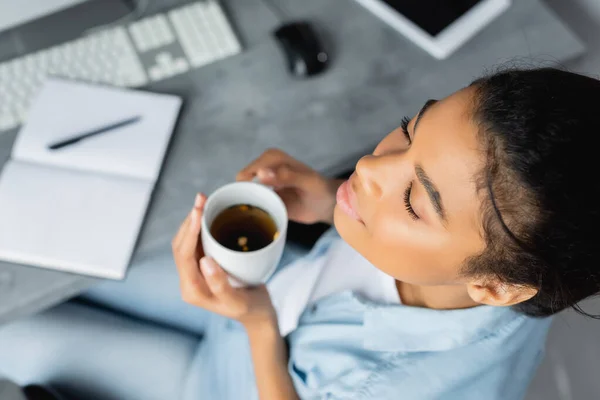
point(407, 205)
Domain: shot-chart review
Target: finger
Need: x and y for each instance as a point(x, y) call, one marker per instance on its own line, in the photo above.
point(246, 175)
point(199, 204)
point(218, 283)
point(176, 242)
point(194, 289)
point(291, 200)
point(269, 159)
point(184, 226)
point(189, 241)
point(284, 176)
point(267, 175)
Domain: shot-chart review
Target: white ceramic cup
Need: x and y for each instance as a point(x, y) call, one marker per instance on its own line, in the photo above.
point(251, 267)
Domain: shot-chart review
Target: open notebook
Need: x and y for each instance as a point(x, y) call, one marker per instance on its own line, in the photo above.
point(80, 208)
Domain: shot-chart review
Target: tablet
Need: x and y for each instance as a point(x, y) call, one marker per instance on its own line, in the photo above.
point(438, 26)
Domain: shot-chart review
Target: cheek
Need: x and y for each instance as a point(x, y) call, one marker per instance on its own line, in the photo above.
point(409, 252)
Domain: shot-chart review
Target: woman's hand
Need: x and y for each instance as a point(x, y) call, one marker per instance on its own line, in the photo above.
point(308, 196)
point(204, 284)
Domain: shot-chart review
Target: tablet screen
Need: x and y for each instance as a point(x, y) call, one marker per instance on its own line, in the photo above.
point(432, 15)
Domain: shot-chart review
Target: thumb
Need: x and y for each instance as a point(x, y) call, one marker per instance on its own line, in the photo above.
point(283, 176)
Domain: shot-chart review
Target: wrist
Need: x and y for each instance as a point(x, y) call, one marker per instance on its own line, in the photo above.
point(261, 326)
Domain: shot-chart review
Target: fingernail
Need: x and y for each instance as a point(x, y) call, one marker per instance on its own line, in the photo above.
point(198, 200)
point(266, 173)
point(208, 266)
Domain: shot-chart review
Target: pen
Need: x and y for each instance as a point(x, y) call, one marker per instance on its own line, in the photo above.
point(85, 135)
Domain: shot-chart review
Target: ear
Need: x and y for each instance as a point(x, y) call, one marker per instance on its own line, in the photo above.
point(495, 293)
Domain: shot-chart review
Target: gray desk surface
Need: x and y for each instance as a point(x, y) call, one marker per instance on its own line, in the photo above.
point(238, 107)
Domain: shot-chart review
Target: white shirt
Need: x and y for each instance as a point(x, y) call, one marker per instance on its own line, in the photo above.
point(341, 268)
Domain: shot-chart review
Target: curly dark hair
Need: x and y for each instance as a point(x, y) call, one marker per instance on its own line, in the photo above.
point(543, 208)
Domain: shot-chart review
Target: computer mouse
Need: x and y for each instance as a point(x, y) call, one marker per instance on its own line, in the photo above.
point(302, 47)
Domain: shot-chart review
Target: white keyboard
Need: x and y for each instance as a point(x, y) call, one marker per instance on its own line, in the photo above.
point(151, 49)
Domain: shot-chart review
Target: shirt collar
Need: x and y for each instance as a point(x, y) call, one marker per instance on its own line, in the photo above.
point(323, 244)
point(413, 329)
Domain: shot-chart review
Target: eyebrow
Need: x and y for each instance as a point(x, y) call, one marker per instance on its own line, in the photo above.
point(427, 104)
point(430, 188)
point(432, 192)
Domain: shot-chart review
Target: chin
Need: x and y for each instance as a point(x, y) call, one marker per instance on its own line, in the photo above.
point(348, 228)
point(355, 234)
point(340, 219)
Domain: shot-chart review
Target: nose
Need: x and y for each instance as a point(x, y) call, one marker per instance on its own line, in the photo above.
point(369, 174)
point(379, 174)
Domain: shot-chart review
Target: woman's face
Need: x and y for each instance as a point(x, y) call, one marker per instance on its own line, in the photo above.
point(412, 208)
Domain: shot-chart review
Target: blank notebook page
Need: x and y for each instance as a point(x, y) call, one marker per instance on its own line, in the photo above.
point(70, 220)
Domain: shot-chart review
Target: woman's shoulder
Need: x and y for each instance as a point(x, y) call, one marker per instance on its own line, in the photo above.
point(495, 364)
point(385, 350)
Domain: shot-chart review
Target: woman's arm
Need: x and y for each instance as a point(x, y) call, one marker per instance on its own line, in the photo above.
point(270, 358)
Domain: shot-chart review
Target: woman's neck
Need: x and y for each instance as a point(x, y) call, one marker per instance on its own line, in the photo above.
point(436, 297)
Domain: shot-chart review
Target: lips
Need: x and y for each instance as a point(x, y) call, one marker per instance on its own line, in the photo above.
point(346, 199)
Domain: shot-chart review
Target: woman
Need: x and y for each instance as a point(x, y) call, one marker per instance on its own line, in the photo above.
point(466, 228)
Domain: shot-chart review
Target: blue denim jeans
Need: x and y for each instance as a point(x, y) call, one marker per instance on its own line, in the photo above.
point(131, 350)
